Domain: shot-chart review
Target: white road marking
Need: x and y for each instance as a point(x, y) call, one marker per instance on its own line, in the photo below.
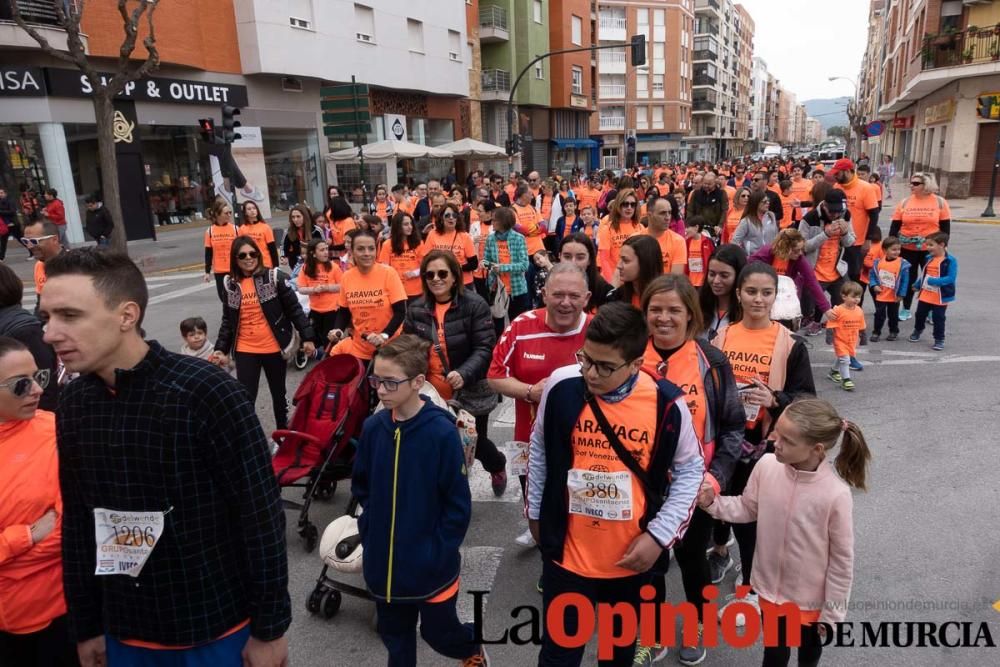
point(971, 359)
point(180, 292)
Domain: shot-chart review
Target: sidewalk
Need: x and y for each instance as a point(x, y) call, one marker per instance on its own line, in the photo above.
point(962, 210)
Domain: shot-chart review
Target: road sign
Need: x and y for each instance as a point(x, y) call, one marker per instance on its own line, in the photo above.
point(875, 128)
point(342, 103)
point(331, 118)
point(350, 130)
point(346, 90)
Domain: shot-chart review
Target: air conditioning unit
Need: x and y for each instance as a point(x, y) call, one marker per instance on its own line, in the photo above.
point(290, 84)
point(364, 37)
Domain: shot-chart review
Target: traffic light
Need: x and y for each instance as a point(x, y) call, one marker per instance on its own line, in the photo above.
point(207, 128)
point(638, 50)
point(230, 124)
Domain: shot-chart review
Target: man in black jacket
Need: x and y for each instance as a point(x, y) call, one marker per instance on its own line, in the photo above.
point(711, 202)
point(173, 530)
point(99, 223)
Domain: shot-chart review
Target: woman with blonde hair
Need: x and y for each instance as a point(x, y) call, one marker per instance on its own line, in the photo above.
point(787, 257)
point(620, 223)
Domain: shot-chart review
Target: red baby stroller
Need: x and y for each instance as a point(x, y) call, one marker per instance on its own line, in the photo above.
point(317, 450)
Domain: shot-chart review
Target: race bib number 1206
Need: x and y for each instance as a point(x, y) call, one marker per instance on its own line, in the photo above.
point(125, 540)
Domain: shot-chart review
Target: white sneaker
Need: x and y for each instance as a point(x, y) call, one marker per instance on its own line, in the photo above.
point(525, 539)
point(741, 619)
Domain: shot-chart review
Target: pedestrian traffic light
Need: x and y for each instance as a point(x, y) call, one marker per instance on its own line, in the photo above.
point(638, 50)
point(207, 128)
point(230, 124)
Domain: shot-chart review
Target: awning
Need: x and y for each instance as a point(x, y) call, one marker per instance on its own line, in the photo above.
point(574, 143)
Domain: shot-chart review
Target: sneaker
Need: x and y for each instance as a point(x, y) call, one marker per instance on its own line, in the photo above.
point(525, 539)
point(643, 655)
point(938, 345)
point(915, 337)
point(478, 660)
point(904, 314)
point(692, 655)
point(848, 384)
point(718, 566)
point(892, 336)
point(499, 482)
point(731, 542)
point(864, 339)
point(741, 619)
point(874, 337)
point(813, 329)
point(835, 377)
point(856, 365)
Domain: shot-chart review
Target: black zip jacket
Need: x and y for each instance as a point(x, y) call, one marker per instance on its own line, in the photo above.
point(278, 302)
point(468, 333)
point(99, 223)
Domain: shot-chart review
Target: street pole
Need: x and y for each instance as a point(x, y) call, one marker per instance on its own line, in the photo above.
point(361, 143)
point(988, 213)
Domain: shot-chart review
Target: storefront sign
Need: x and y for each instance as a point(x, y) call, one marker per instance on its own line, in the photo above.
point(902, 122)
point(578, 101)
point(395, 126)
point(42, 82)
point(942, 112)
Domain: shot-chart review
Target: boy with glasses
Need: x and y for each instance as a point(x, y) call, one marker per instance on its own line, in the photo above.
point(411, 481)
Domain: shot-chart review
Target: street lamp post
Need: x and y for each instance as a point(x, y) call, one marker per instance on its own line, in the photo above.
point(855, 106)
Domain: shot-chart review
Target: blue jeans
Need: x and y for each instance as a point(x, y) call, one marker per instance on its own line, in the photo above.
point(225, 652)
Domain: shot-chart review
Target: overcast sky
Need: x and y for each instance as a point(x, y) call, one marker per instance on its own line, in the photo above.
point(804, 42)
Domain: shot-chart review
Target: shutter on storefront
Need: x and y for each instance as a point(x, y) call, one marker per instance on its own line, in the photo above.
point(985, 151)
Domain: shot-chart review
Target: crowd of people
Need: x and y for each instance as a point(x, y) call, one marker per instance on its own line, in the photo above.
point(661, 409)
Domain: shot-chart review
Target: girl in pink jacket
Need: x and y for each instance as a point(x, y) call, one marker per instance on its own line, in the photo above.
point(805, 533)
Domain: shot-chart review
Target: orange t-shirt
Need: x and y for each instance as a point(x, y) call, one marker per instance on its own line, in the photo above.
point(457, 243)
point(568, 222)
point(874, 252)
point(503, 257)
point(40, 275)
point(791, 212)
point(826, 260)
point(861, 198)
point(921, 216)
point(599, 472)
point(528, 219)
point(436, 369)
point(254, 335)
point(780, 266)
point(695, 262)
point(403, 263)
point(888, 278)
point(322, 302)
point(369, 297)
point(733, 217)
point(683, 369)
point(587, 196)
point(220, 239)
point(673, 248)
point(339, 229)
point(382, 210)
point(931, 293)
point(750, 352)
point(611, 241)
point(847, 328)
point(263, 235)
point(802, 190)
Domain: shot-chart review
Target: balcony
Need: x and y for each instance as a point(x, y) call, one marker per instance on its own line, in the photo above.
point(707, 4)
point(611, 29)
point(702, 106)
point(611, 123)
point(42, 14)
point(493, 27)
point(611, 61)
point(972, 46)
point(610, 91)
point(495, 85)
point(704, 27)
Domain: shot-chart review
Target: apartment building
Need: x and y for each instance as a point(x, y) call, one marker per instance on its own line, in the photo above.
point(650, 104)
point(814, 131)
point(572, 87)
point(933, 61)
point(757, 131)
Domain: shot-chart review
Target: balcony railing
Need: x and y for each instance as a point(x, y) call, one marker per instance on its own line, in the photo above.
point(612, 90)
point(611, 27)
point(612, 123)
point(704, 54)
point(33, 11)
point(702, 27)
point(702, 105)
point(968, 47)
point(496, 81)
point(493, 17)
point(705, 4)
point(612, 57)
point(704, 80)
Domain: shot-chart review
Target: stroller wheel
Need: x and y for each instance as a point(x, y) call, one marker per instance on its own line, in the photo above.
point(314, 603)
point(301, 359)
point(331, 603)
point(325, 490)
point(310, 534)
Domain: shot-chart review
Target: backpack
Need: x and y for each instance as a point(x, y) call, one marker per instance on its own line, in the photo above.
point(786, 304)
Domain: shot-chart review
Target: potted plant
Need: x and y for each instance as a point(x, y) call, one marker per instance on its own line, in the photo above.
point(995, 52)
point(967, 55)
point(972, 29)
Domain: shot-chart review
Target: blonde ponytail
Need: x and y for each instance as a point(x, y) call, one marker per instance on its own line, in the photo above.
point(819, 422)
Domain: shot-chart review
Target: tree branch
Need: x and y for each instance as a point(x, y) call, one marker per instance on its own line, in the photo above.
point(131, 26)
point(43, 43)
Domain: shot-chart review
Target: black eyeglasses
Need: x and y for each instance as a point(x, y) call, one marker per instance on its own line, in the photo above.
point(21, 386)
point(375, 381)
point(440, 274)
point(253, 254)
point(628, 204)
point(604, 370)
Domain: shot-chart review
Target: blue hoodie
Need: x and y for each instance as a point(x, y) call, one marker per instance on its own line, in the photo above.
point(411, 481)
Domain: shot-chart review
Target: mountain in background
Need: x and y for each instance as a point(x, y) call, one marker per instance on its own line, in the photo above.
point(830, 112)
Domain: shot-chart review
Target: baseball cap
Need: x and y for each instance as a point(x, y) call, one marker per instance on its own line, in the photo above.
point(836, 201)
point(843, 164)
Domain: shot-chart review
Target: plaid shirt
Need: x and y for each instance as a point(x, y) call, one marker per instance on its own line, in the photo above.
point(518, 260)
point(178, 436)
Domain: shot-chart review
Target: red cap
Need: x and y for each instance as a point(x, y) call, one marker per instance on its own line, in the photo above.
point(843, 164)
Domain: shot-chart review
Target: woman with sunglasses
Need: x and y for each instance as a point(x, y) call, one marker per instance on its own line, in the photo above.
point(457, 323)
point(254, 226)
point(259, 318)
point(758, 226)
point(578, 249)
point(33, 626)
point(449, 234)
point(620, 224)
point(702, 371)
point(219, 239)
point(917, 217)
point(639, 262)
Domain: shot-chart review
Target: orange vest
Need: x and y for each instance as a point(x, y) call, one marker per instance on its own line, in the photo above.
point(684, 369)
point(888, 277)
point(931, 293)
point(757, 352)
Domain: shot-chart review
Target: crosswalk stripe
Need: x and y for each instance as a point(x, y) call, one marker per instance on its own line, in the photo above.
point(160, 298)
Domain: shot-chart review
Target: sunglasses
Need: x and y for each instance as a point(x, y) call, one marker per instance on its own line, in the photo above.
point(916, 183)
point(440, 274)
point(448, 216)
point(21, 386)
point(375, 382)
point(31, 243)
point(628, 204)
point(248, 255)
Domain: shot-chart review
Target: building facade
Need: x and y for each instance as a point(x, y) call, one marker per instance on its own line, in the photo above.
point(572, 88)
point(814, 131)
point(758, 130)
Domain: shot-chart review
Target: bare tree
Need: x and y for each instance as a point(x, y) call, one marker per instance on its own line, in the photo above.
point(133, 14)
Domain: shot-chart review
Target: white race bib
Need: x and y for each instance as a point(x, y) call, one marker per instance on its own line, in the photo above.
point(125, 540)
point(930, 288)
point(600, 495)
point(517, 455)
point(887, 279)
point(695, 265)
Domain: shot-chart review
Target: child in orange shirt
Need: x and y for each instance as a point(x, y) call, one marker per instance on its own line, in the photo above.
point(847, 327)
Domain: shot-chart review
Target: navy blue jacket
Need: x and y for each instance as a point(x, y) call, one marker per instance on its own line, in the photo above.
point(412, 475)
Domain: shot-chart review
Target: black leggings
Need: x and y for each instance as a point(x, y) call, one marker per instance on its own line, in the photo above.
point(746, 533)
point(49, 647)
point(917, 259)
point(810, 647)
point(322, 324)
point(248, 367)
point(487, 453)
point(220, 286)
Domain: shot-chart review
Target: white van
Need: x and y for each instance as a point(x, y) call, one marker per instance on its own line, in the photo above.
point(772, 151)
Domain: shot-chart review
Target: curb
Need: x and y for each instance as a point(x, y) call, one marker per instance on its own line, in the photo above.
point(978, 221)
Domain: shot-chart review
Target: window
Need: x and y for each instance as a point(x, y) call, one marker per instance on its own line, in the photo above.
point(658, 85)
point(364, 19)
point(577, 73)
point(454, 46)
point(658, 17)
point(658, 118)
point(415, 32)
point(641, 118)
point(538, 11)
point(539, 71)
point(577, 37)
point(642, 85)
point(300, 14)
